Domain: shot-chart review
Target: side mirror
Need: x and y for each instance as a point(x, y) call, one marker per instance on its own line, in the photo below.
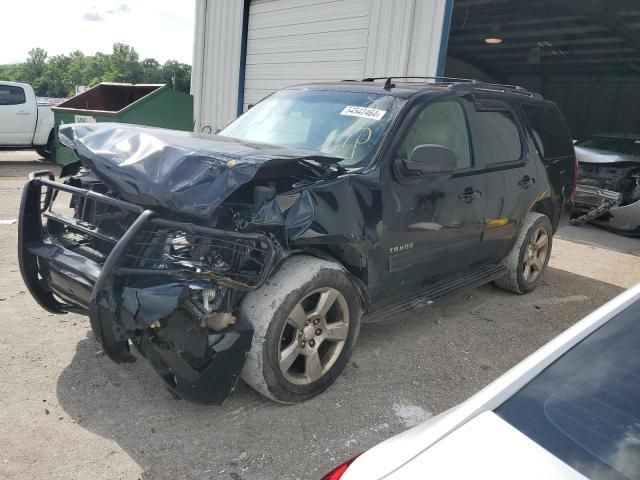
point(431, 159)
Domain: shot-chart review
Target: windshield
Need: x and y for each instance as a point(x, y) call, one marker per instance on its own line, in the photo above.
point(625, 146)
point(347, 125)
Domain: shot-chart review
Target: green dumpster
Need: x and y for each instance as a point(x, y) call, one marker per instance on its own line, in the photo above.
point(140, 104)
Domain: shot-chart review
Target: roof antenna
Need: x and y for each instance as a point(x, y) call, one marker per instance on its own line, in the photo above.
point(387, 84)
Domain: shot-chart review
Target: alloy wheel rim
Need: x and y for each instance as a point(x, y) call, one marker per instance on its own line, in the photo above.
point(535, 256)
point(313, 336)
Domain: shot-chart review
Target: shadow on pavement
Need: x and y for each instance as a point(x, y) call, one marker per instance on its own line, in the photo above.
point(429, 360)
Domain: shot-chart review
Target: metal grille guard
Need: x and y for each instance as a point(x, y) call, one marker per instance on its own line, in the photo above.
point(36, 204)
point(62, 280)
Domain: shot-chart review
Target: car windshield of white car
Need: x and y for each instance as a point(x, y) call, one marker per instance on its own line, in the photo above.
point(347, 125)
point(585, 407)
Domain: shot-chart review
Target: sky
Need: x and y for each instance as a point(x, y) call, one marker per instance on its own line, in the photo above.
point(160, 29)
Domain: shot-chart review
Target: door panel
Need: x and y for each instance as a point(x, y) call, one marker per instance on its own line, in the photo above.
point(507, 203)
point(430, 234)
point(16, 118)
point(431, 222)
point(509, 181)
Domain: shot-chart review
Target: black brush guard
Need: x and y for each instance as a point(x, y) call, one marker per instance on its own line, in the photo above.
point(53, 273)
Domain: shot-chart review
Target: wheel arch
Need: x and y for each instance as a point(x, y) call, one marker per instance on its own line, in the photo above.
point(549, 208)
point(266, 309)
point(356, 274)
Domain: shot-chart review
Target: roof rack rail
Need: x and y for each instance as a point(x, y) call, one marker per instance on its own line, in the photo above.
point(445, 79)
point(462, 83)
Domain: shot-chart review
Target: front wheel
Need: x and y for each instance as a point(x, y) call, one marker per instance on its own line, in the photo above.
point(529, 256)
point(306, 320)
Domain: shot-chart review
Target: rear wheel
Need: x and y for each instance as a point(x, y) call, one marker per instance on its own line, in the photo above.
point(306, 320)
point(529, 256)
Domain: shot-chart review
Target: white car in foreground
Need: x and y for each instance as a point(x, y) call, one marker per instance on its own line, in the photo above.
point(571, 410)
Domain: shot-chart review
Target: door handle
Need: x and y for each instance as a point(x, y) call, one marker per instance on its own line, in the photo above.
point(22, 112)
point(527, 181)
point(469, 195)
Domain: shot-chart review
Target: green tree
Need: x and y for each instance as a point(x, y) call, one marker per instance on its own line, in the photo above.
point(11, 73)
point(180, 72)
point(58, 76)
point(96, 68)
point(150, 71)
point(76, 72)
point(124, 64)
point(34, 68)
point(56, 72)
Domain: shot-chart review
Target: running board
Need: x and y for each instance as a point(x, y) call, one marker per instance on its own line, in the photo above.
point(435, 293)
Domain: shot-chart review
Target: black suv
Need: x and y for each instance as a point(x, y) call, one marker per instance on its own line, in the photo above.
point(257, 252)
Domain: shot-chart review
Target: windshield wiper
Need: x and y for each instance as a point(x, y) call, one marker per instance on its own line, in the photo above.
point(326, 163)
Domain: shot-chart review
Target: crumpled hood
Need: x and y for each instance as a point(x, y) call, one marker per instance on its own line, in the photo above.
point(183, 172)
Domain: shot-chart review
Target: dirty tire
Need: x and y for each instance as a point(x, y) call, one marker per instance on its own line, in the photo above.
point(514, 279)
point(46, 152)
point(269, 309)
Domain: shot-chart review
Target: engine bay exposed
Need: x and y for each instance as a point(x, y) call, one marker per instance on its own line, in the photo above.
point(230, 257)
point(621, 177)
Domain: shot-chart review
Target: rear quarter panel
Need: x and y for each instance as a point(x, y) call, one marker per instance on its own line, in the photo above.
point(44, 126)
point(555, 174)
point(556, 185)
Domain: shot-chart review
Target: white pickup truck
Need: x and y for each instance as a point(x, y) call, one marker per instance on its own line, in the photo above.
point(24, 123)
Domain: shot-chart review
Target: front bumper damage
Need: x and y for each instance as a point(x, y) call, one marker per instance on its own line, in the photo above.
point(151, 309)
point(621, 218)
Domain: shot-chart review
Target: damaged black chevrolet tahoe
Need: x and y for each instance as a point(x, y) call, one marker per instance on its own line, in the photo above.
point(255, 253)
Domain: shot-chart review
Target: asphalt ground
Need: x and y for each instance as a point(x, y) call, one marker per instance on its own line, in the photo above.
point(67, 411)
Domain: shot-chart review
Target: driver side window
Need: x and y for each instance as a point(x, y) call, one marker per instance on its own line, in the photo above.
point(441, 123)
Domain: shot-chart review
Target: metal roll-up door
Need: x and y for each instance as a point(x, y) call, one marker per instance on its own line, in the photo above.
point(291, 42)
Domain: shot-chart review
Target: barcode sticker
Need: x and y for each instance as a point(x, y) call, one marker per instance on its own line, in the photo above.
point(363, 112)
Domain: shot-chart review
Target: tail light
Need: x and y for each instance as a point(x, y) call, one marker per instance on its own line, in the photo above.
point(336, 473)
point(575, 176)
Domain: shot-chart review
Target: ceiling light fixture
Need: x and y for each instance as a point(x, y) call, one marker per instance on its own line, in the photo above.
point(494, 37)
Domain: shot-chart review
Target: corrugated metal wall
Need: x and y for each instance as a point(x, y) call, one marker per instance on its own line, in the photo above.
point(296, 41)
point(389, 42)
point(216, 62)
point(300, 41)
point(424, 51)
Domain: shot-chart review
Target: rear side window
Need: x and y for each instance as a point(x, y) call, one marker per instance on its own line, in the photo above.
point(10, 95)
point(499, 137)
point(550, 131)
point(585, 407)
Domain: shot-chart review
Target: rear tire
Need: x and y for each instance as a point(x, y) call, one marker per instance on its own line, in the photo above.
point(46, 152)
point(529, 256)
point(306, 319)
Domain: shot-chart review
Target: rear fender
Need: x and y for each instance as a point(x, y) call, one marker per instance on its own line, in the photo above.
point(549, 208)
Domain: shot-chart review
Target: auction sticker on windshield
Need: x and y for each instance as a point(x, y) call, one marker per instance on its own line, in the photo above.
point(363, 112)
